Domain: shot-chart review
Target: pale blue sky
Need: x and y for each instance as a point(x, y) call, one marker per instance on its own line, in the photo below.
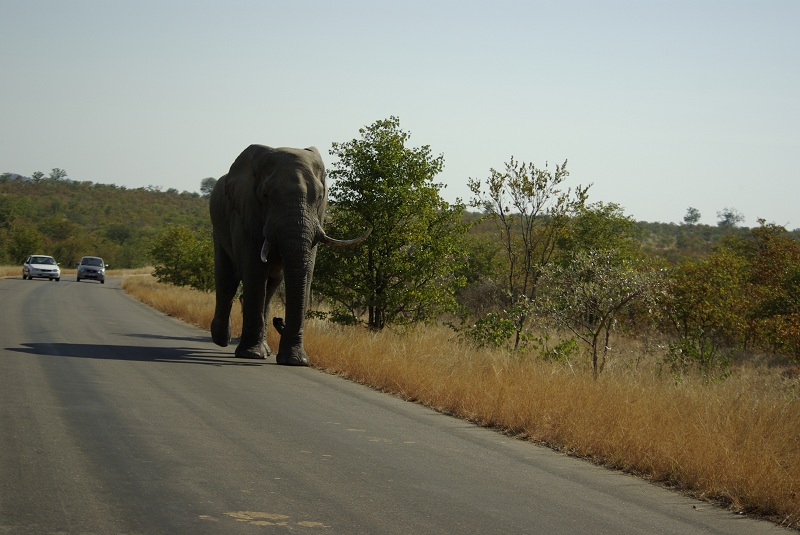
point(661, 105)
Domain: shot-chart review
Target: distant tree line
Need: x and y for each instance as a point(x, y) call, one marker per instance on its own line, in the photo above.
point(538, 268)
point(50, 214)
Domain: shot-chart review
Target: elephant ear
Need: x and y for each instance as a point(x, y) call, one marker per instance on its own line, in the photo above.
point(244, 185)
point(318, 169)
point(316, 164)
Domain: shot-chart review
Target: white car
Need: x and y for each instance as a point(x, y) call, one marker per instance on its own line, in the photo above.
point(44, 267)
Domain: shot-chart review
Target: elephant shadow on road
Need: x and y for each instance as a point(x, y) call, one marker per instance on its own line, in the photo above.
point(133, 353)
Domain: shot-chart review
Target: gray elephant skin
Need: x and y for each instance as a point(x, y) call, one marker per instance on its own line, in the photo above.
point(267, 215)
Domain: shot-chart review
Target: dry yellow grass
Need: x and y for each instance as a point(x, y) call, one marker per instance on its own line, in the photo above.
point(191, 306)
point(736, 442)
point(7, 272)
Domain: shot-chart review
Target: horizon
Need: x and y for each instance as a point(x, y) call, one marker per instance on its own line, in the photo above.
point(661, 106)
point(160, 189)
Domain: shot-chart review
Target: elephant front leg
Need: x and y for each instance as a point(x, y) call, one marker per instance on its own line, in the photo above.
point(253, 343)
point(221, 324)
point(257, 297)
point(291, 351)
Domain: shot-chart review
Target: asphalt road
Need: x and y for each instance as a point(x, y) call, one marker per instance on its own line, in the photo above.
point(115, 418)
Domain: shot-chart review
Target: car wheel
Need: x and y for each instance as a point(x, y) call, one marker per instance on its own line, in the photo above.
point(58, 279)
point(78, 279)
point(103, 281)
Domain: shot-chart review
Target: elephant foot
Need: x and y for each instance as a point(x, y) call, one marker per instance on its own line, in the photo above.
point(220, 332)
point(295, 357)
point(259, 351)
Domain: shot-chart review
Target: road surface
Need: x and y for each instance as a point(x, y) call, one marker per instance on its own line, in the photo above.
point(115, 418)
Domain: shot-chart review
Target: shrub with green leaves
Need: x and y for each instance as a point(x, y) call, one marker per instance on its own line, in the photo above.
point(406, 271)
point(184, 258)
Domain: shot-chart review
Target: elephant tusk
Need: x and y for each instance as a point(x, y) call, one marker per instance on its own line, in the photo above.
point(324, 238)
point(265, 250)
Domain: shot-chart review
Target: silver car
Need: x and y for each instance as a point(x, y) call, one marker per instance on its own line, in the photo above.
point(40, 266)
point(92, 267)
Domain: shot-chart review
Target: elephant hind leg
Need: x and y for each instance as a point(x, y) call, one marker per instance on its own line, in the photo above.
point(255, 309)
point(221, 332)
point(227, 282)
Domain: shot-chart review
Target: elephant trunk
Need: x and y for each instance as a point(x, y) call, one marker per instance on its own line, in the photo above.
point(297, 251)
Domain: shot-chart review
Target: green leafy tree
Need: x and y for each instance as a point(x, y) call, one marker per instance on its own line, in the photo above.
point(744, 295)
point(601, 227)
point(119, 233)
point(775, 285)
point(531, 213)
point(599, 272)
point(481, 271)
point(706, 303)
point(70, 250)
point(782, 326)
point(57, 174)
point(207, 186)
point(7, 211)
point(79, 218)
point(692, 216)
point(58, 227)
point(23, 241)
point(405, 272)
point(588, 291)
point(729, 218)
point(183, 258)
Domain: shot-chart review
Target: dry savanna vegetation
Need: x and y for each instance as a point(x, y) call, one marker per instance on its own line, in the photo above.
point(7, 272)
point(668, 351)
point(734, 442)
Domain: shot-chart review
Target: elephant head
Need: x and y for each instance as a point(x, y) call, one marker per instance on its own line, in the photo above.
point(267, 215)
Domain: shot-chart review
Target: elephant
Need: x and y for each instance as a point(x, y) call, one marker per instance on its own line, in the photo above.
point(267, 215)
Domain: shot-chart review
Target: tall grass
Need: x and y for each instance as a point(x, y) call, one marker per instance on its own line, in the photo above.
point(736, 443)
point(8, 272)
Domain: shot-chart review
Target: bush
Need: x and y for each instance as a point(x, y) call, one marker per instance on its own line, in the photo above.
point(184, 258)
point(697, 351)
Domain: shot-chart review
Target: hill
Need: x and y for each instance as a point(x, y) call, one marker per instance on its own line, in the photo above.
point(69, 219)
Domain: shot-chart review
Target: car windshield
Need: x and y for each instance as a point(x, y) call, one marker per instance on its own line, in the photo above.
point(92, 262)
point(42, 260)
